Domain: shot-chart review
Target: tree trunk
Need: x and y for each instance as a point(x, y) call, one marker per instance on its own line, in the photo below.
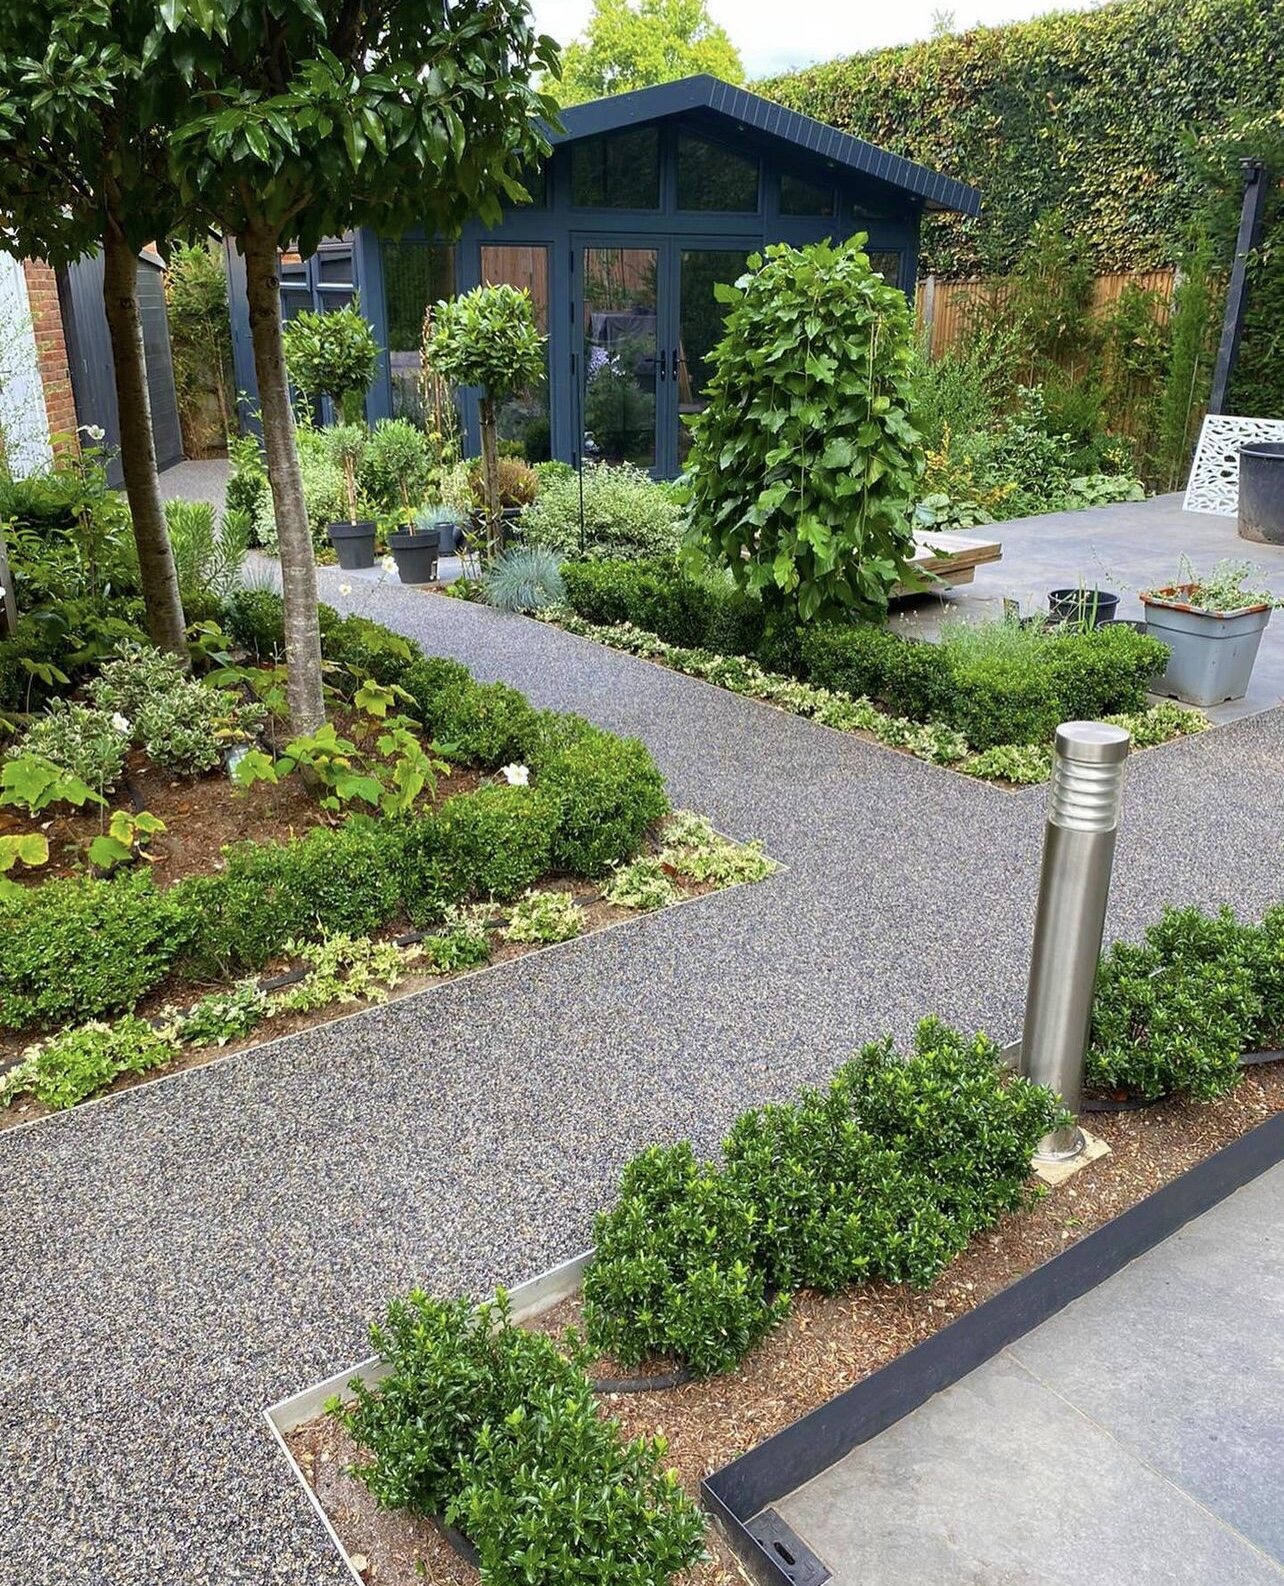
point(490, 474)
point(165, 621)
point(298, 568)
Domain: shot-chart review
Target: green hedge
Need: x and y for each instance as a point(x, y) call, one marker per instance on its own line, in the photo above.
point(74, 949)
point(1174, 1012)
point(491, 1428)
point(887, 1174)
point(1014, 690)
point(1086, 112)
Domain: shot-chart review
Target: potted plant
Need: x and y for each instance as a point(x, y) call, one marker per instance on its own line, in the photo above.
point(1082, 608)
point(354, 538)
point(332, 355)
point(488, 338)
point(1212, 627)
point(414, 545)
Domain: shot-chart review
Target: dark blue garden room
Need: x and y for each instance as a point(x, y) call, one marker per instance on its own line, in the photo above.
point(647, 201)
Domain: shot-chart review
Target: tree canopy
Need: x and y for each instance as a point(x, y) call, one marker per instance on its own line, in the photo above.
point(636, 43)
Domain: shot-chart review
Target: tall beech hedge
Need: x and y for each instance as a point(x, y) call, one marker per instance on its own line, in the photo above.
point(1090, 112)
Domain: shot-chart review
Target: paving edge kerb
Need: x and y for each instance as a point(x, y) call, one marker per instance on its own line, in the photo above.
point(742, 1490)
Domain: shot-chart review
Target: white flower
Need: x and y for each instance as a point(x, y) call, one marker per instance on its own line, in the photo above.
point(389, 564)
point(516, 775)
point(345, 589)
point(122, 724)
point(95, 432)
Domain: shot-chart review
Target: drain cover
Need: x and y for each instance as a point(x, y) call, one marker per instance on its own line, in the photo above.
point(792, 1557)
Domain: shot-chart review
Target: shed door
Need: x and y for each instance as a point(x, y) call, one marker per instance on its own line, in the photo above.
point(80, 290)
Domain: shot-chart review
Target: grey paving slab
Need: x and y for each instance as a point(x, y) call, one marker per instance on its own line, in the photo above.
point(181, 1255)
point(1125, 548)
point(1135, 1438)
point(1181, 1359)
point(998, 1482)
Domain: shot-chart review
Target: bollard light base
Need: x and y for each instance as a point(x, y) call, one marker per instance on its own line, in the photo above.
point(1056, 1170)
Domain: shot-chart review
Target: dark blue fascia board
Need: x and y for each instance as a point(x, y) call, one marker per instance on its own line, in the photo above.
point(786, 127)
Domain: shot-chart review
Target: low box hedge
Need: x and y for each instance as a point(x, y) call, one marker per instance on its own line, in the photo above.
point(994, 685)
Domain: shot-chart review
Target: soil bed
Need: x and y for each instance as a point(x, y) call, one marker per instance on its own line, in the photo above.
point(824, 1345)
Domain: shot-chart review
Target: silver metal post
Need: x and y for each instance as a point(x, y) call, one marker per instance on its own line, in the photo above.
point(1078, 849)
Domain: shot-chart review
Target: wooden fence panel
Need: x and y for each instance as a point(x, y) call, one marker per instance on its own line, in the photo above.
point(946, 308)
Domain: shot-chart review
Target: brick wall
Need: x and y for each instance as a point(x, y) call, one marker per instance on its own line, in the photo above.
point(51, 349)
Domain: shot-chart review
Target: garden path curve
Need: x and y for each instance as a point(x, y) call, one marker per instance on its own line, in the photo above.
point(178, 1256)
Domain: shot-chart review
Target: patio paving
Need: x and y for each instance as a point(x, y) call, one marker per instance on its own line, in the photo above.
point(1133, 1440)
point(182, 1254)
point(1125, 548)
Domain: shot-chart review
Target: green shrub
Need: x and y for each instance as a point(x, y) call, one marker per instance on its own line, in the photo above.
point(77, 948)
point(1175, 1012)
point(397, 466)
point(885, 1174)
point(487, 724)
point(247, 486)
point(1104, 671)
point(186, 729)
point(606, 791)
point(497, 841)
point(627, 516)
point(84, 742)
point(254, 620)
point(367, 649)
point(428, 676)
point(604, 592)
point(992, 701)
point(674, 1270)
point(343, 881)
point(851, 658)
point(135, 674)
point(889, 1171)
point(490, 1427)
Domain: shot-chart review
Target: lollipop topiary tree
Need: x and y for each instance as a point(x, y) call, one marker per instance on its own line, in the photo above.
point(488, 338)
point(333, 355)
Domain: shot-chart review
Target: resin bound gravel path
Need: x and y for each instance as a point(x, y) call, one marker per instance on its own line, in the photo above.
point(181, 1255)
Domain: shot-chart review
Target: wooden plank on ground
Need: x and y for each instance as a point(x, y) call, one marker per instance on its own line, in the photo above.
point(953, 558)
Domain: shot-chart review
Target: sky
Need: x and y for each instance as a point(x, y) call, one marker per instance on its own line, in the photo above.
point(772, 37)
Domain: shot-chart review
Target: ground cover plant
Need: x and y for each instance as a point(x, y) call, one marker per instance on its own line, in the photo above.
point(985, 700)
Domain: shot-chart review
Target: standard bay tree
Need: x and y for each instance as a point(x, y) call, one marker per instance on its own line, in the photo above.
point(84, 102)
point(310, 117)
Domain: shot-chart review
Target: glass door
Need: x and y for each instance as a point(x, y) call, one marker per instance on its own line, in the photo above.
point(700, 317)
point(624, 352)
point(648, 321)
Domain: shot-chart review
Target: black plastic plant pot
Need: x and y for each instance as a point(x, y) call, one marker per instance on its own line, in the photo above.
point(415, 555)
point(355, 544)
point(1085, 608)
point(1261, 492)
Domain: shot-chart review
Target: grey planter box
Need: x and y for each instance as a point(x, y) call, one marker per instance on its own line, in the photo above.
point(1211, 652)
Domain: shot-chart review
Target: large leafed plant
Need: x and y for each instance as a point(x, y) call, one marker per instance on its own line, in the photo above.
point(804, 466)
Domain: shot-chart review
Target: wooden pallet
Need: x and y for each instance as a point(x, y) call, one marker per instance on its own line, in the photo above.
point(951, 558)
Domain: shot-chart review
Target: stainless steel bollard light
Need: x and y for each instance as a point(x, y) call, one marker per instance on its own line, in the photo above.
point(1074, 885)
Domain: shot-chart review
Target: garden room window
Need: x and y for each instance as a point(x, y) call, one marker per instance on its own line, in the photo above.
point(712, 177)
point(619, 171)
point(415, 275)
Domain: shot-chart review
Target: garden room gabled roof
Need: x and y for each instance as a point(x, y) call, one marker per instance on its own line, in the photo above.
point(774, 124)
